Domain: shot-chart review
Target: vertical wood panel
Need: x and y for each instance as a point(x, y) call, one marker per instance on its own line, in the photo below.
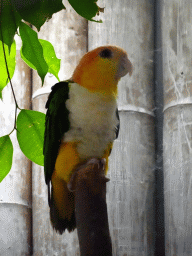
point(67, 31)
point(177, 78)
point(15, 189)
point(129, 24)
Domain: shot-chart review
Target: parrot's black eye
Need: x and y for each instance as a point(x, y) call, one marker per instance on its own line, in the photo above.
point(106, 53)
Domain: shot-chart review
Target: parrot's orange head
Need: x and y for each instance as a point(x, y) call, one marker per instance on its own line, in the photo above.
point(100, 69)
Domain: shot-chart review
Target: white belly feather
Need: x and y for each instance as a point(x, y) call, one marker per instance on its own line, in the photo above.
point(92, 121)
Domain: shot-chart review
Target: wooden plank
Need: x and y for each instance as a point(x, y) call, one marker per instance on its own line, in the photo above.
point(15, 198)
point(177, 78)
point(129, 24)
point(67, 31)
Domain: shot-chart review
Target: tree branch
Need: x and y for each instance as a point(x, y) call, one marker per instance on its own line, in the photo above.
point(89, 183)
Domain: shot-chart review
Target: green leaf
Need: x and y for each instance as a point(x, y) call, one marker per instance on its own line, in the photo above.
point(11, 62)
point(32, 50)
point(26, 61)
point(37, 12)
point(86, 8)
point(30, 134)
point(6, 156)
point(50, 57)
point(9, 21)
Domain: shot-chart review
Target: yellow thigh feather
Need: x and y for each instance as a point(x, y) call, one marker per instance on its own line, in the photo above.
point(66, 162)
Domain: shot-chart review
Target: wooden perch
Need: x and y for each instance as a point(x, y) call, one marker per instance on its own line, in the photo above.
point(89, 186)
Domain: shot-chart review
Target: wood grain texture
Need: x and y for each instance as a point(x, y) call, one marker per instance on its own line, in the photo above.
point(177, 79)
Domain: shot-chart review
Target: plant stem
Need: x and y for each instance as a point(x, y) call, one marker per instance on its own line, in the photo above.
point(8, 74)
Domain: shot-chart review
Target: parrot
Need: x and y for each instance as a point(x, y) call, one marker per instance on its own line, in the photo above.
point(81, 123)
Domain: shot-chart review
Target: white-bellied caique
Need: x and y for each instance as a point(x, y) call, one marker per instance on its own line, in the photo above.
point(81, 123)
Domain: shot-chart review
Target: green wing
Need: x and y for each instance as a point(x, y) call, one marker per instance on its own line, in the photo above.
point(56, 124)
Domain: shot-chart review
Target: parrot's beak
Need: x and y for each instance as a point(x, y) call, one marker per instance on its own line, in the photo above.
point(125, 66)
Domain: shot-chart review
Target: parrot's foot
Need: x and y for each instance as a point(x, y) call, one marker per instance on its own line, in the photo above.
point(93, 167)
point(95, 161)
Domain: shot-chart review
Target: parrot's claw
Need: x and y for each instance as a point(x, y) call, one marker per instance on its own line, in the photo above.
point(100, 162)
point(93, 164)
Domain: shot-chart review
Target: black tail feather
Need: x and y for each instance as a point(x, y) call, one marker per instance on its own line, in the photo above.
point(58, 223)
